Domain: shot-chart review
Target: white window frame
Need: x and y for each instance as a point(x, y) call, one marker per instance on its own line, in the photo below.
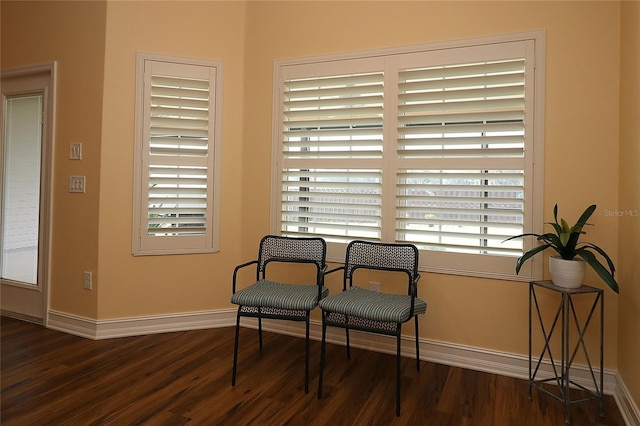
point(479, 265)
point(207, 239)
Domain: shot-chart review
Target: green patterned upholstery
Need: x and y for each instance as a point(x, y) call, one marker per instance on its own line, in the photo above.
point(370, 311)
point(267, 299)
point(265, 293)
point(372, 305)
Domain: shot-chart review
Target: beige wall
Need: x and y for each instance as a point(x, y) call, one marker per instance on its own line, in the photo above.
point(629, 267)
point(96, 42)
point(147, 285)
point(73, 34)
point(581, 149)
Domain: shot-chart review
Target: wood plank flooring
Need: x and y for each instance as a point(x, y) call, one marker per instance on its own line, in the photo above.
point(52, 378)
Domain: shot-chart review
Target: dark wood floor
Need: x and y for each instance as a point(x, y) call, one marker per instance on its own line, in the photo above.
point(52, 378)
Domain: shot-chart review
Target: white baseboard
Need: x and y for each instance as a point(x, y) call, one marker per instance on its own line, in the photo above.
point(502, 363)
point(123, 327)
point(628, 409)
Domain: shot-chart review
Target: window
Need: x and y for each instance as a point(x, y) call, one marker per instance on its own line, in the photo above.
point(178, 120)
point(436, 145)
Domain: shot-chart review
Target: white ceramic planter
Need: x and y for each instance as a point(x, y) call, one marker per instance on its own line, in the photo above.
point(566, 273)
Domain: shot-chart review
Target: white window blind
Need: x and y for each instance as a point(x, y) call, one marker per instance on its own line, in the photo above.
point(448, 116)
point(432, 145)
point(178, 137)
point(333, 122)
point(178, 149)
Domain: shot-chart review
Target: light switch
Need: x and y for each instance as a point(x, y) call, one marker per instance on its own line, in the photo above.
point(76, 184)
point(75, 151)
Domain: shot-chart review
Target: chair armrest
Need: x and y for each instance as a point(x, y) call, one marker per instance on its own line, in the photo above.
point(339, 268)
point(414, 285)
point(334, 270)
point(321, 273)
point(237, 268)
point(414, 292)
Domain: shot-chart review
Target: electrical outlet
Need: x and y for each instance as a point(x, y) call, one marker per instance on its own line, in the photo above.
point(375, 286)
point(88, 280)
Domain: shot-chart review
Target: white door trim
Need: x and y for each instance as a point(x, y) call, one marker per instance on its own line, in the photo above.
point(49, 71)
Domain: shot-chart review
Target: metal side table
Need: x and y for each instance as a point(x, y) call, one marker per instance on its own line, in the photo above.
point(565, 316)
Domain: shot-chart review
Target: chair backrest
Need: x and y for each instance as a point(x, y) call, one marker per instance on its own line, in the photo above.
point(292, 249)
point(381, 256)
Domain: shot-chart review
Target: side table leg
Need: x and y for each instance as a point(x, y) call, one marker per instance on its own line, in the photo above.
point(530, 377)
point(601, 296)
point(565, 355)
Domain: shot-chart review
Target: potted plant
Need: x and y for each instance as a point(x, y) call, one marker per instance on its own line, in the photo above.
point(564, 240)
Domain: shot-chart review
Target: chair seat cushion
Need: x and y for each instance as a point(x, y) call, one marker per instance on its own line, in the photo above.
point(271, 294)
point(373, 305)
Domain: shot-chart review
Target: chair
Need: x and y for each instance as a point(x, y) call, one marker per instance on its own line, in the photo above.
point(357, 308)
point(275, 300)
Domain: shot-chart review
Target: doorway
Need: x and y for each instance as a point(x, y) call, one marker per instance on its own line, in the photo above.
point(26, 146)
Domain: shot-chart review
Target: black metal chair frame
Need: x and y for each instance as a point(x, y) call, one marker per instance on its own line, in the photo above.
point(266, 257)
point(378, 327)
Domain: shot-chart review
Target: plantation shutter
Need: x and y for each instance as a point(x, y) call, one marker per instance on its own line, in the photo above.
point(178, 131)
point(332, 156)
point(461, 140)
point(430, 145)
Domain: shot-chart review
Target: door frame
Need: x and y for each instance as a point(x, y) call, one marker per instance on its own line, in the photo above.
point(46, 182)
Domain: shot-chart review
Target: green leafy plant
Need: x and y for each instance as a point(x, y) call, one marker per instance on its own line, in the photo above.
point(565, 242)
